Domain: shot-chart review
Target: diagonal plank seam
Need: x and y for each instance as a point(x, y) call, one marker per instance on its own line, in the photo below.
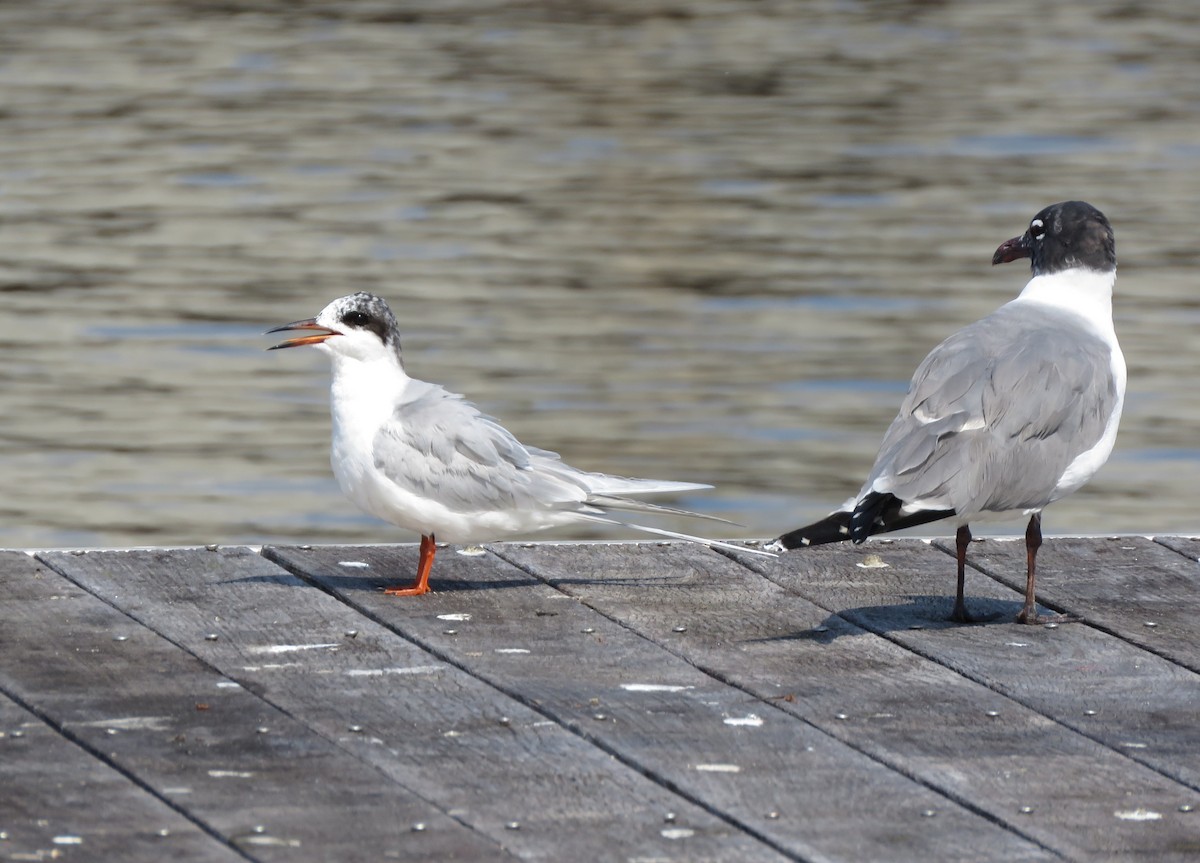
point(878, 758)
point(64, 732)
point(1143, 644)
point(1158, 540)
point(568, 725)
point(1131, 754)
point(982, 681)
point(252, 691)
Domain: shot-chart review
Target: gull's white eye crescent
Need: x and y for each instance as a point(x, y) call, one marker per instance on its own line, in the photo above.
point(1037, 229)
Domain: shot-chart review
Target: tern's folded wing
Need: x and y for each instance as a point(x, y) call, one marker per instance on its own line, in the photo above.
point(441, 447)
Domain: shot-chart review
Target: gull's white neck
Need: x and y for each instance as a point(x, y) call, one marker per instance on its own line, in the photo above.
point(1081, 291)
point(1088, 295)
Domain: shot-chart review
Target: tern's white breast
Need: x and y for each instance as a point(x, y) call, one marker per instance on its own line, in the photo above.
point(364, 396)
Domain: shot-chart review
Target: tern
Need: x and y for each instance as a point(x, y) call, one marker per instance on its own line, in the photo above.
point(1009, 414)
point(420, 457)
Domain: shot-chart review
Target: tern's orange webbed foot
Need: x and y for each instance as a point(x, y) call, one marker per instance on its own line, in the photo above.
point(421, 585)
point(415, 590)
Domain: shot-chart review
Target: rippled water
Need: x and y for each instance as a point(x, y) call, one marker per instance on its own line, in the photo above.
point(704, 241)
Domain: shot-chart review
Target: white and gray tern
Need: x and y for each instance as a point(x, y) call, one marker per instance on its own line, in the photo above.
point(421, 457)
point(1010, 413)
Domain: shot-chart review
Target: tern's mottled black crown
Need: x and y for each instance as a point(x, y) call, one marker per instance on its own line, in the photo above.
point(1070, 234)
point(363, 311)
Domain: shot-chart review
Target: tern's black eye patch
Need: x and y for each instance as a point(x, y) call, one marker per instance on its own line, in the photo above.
point(363, 312)
point(377, 322)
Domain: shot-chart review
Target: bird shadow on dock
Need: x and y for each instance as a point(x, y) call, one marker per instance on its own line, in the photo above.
point(283, 579)
point(655, 582)
point(379, 582)
point(921, 612)
point(436, 585)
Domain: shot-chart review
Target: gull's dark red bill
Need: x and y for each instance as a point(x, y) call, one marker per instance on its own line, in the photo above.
point(1011, 250)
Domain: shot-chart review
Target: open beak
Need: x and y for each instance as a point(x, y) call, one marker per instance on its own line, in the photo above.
point(316, 338)
point(1011, 250)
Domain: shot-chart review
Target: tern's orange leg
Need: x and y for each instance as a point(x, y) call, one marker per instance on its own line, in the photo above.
point(421, 585)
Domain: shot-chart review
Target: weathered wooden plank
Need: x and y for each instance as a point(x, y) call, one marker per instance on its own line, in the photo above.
point(1130, 700)
point(57, 800)
point(485, 759)
point(804, 791)
point(1189, 546)
point(921, 718)
point(1119, 584)
point(214, 751)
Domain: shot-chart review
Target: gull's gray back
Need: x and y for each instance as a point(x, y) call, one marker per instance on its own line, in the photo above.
point(996, 413)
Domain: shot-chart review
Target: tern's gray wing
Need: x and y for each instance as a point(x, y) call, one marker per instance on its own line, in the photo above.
point(440, 446)
point(996, 413)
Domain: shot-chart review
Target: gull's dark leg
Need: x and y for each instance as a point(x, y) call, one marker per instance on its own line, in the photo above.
point(961, 540)
point(421, 585)
point(1028, 614)
point(1033, 541)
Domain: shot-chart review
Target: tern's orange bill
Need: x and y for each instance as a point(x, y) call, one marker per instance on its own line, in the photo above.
point(309, 324)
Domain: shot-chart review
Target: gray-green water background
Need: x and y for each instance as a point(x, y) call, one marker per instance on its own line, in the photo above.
point(676, 238)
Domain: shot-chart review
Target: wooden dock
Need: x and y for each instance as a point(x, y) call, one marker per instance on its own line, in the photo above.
point(596, 702)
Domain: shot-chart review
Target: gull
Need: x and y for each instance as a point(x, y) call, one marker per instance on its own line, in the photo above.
point(420, 457)
point(1010, 413)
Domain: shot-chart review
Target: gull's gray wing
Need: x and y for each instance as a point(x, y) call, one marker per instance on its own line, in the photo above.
point(440, 446)
point(996, 413)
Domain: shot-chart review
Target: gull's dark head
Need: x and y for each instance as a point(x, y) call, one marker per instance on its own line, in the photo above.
point(1061, 237)
point(359, 325)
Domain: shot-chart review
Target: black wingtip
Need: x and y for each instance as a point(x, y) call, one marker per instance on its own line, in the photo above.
point(875, 513)
point(881, 512)
point(869, 513)
point(835, 527)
